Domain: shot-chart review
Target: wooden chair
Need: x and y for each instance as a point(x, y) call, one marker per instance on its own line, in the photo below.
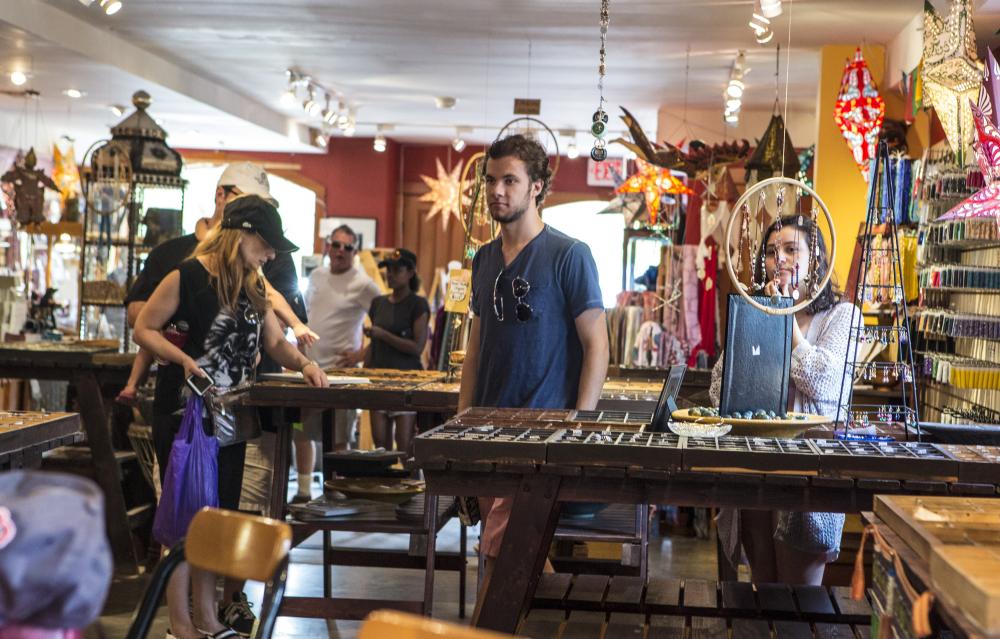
point(231, 544)
point(390, 624)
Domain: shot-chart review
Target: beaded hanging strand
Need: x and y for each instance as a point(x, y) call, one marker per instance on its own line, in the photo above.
point(599, 121)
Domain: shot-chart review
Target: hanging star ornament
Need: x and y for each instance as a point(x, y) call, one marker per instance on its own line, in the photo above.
point(653, 183)
point(859, 111)
point(952, 72)
point(445, 194)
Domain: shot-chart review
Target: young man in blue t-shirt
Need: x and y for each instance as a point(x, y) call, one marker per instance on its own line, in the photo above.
point(539, 337)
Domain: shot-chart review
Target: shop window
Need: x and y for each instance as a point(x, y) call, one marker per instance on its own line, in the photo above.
point(602, 233)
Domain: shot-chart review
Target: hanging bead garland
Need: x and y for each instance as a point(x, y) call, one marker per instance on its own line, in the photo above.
point(599, 121)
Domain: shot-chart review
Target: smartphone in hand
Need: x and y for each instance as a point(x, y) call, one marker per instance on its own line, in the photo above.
point(200, 385)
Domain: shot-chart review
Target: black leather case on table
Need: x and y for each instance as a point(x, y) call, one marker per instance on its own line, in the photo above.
point(757, 358)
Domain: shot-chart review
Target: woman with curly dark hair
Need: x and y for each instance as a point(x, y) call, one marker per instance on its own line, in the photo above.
point(785, 546)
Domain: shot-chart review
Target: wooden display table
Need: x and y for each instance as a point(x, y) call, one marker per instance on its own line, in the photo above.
point(88, 368)
point(540, 465)
point(24, 436)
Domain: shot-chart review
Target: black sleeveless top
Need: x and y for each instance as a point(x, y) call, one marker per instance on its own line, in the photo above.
point(223, 342)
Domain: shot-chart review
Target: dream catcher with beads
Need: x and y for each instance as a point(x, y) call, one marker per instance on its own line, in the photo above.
point(747, 253)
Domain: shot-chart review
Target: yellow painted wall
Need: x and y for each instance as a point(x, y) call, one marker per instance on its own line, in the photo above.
point(837, 177)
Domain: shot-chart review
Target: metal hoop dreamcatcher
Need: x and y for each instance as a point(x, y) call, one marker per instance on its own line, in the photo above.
point(750, 215)
point(475, 216)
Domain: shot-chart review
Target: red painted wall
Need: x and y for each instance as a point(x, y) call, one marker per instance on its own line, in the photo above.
point(362, 183)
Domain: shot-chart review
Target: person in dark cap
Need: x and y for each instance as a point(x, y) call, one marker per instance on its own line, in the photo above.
point(55, 562)
point(220, 295)
point(398, 334)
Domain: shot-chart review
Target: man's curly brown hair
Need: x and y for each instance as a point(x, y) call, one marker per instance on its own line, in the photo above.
point(536, 160)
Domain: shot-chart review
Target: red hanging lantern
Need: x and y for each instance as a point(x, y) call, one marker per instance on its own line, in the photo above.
point(859, 111)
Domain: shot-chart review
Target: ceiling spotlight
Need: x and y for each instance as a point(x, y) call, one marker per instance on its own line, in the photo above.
point(458, 144)
point(18, 77)
point(572, 152)
point(761, 28)
point(310, 104)
point(320, 140)
point(735, 89)
point(86, 3)
point(770, 8)
point(733, 104)
point(327, 114)
point(379, 143)
point(117, 109)
point(111, 7)
point(288, 98)
point(732, 119)
point(76, 94)
point(352, 122)
point(445, 102)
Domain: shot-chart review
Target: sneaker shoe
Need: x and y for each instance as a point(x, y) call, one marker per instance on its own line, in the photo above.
point(299, 498)
point(238, 615)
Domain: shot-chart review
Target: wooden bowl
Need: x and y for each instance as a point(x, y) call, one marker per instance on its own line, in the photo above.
point(392, 491)
point(759, 427)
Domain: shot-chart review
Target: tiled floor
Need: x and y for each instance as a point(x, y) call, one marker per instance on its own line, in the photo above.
point(679, 556)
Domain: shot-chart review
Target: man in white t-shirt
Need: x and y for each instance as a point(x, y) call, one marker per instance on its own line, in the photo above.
point(337, 300)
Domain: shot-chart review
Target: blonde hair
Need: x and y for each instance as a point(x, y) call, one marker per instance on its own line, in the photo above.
point(231, 277)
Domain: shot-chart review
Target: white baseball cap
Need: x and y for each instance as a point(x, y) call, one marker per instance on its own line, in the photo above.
point(249, 178)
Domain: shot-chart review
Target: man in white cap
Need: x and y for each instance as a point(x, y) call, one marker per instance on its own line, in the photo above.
point(239, 178)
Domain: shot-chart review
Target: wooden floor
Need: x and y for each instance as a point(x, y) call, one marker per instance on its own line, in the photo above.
point(684, 557)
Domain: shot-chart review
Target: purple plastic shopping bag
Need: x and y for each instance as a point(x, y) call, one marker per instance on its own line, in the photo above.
point(191, 481)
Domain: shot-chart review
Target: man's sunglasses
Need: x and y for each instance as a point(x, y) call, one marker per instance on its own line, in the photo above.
point(336, 246)
point(520, 288)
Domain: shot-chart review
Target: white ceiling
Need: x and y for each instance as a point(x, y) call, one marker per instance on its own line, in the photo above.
point(391, 57)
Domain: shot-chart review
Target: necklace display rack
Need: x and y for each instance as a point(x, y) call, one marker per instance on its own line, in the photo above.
point(879, 283)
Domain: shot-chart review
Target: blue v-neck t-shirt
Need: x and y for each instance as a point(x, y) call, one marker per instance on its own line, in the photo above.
point(533, 364)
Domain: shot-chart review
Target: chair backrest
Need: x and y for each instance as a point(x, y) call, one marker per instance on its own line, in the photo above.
point(237, 545)
point(390, 624)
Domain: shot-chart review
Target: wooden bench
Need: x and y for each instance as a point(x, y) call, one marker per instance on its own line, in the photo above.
point(582, 606)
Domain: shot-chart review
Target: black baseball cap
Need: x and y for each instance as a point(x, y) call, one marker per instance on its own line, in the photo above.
point(400, 256)
point(254, 213)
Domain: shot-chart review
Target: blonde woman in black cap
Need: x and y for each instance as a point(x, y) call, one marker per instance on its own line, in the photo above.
point(398, 335)
point(220, 294)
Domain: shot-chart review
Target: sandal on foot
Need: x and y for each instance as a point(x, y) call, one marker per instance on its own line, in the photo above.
point(225, 633)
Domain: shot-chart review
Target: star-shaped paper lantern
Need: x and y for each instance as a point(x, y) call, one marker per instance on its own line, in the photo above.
point(445, 194)
point(653, 183)
point(952, 73)
point(859, 111)
point(989, 90)
point(986, 201)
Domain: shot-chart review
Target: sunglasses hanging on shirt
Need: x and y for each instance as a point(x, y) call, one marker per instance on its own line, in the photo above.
point(519, 288)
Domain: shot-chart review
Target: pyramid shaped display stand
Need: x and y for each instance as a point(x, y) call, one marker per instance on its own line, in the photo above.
point(880, 282)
